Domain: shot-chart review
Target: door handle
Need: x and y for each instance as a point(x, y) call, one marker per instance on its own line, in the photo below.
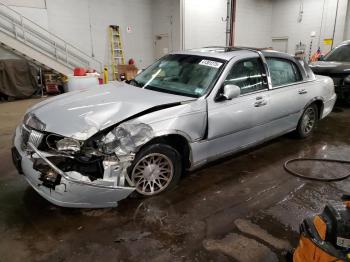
point(259, 98)
point(302, 92)
point(260, 103)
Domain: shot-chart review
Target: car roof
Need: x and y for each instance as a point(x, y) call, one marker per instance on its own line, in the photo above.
point(227, 52)
point(346, 42)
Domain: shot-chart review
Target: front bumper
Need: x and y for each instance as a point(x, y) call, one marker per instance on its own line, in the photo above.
point(70, 192)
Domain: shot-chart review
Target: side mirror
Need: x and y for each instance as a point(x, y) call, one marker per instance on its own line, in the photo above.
point(321, 58)
point(231, 91)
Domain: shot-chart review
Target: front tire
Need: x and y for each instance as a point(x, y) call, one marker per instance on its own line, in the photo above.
point(156, 168)
point(308, 121)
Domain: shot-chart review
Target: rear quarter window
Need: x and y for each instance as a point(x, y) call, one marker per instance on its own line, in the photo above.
point(308, 72)
point(283, 72)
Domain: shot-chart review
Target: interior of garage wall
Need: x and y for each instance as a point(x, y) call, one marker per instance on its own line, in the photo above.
point(347, 24)
point(189, 23)
point(259, 21)
point(166, 21)
point(253, 23)
point(71, 21)
point(202, 23)
point(33, 9)
point(40, 4)
point(284, 22)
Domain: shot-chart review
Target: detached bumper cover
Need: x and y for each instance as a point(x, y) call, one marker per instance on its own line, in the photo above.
point(70, 192)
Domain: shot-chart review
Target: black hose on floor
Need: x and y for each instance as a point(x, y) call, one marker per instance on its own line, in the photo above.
point(294, 173)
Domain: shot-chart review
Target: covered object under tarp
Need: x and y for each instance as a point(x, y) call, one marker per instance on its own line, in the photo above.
point(17, 79)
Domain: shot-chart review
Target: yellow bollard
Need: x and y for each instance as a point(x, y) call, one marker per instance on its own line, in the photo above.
point(105, 74)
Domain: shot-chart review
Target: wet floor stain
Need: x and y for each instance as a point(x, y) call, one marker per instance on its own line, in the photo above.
point(243, 202)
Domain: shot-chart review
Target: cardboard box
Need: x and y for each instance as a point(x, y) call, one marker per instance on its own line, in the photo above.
point(130, 71)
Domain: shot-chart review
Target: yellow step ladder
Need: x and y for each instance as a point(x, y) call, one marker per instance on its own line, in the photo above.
point(117, 49)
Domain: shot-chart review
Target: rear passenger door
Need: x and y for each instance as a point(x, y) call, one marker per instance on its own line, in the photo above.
point(288, 95)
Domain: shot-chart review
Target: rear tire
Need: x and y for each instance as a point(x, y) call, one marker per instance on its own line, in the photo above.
point(307, 122)
point(156, 168)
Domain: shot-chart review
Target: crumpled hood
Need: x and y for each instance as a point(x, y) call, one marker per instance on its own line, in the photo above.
point(81, 114)
point(329, 68)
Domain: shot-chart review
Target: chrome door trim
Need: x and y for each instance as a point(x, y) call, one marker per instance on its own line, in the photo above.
point(292, 84)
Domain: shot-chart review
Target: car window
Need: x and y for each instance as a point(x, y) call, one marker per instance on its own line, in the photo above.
point(339, 54)
point(187, 75)
point(283, 72)
point(309, 74)
point(248, 75)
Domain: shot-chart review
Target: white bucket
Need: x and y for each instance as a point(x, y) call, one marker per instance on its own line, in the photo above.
point(80, 82)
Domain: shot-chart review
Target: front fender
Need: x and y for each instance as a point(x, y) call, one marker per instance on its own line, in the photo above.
point(161, 133)
point(188, 120)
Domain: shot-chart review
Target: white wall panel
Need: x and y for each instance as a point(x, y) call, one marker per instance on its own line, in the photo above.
point(253, 23)
point(26, 3)
point(70, 20)
point(37, 15)
point(166, 20)
point(347, 25)
point(202, 23)
point(284, 22)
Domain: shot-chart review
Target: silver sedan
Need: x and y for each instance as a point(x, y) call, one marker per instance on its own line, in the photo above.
point(94, 147)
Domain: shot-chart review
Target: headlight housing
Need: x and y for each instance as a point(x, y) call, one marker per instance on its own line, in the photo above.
point(68, 144)
point(125, 138)
point(34, 122)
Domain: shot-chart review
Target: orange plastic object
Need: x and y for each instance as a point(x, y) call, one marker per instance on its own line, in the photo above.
point(307, 251)
point(321, 227)
point(79, 71)
point(347, 203)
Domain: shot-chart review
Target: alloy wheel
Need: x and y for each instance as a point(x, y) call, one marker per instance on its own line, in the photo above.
point(309, 120)
point(152, 174)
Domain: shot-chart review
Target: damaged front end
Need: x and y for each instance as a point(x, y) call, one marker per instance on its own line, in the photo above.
point(73, 173)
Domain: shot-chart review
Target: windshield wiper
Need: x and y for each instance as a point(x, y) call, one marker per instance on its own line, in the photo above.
point(135, 83)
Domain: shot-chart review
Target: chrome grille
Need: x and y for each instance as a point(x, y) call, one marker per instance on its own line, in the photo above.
point(30, 135)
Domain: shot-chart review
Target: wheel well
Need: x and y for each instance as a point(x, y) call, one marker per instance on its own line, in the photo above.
point(177, 142)
point(319, 104)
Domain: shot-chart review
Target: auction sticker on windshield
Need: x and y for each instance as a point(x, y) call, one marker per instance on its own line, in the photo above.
point(210, 63)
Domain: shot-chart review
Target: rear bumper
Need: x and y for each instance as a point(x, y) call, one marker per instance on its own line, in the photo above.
point(70, 192)
point(328, 106)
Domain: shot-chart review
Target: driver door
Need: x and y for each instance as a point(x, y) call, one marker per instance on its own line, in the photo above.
point(237, 123)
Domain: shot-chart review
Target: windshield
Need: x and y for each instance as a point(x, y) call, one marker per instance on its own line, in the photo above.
point(340, 54)
point(186, 75)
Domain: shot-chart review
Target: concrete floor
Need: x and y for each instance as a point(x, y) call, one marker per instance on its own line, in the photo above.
point(243, 208)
